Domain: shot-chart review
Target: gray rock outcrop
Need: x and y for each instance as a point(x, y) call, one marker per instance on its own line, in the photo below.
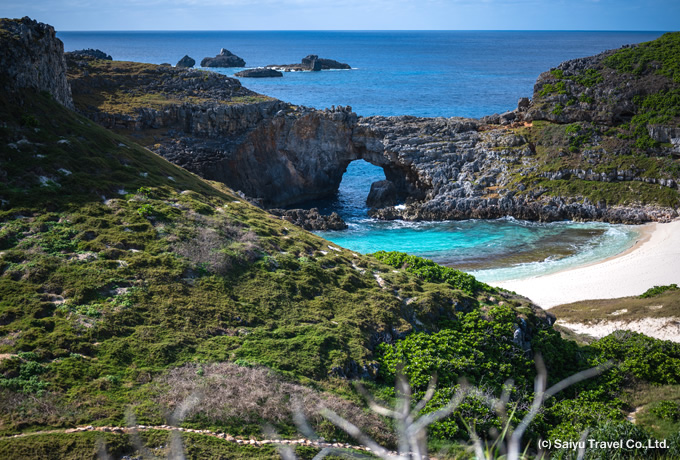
point(96, 54)
point(383, 194)
point(186, 62)
point(259, 73)
point(31, 56)
point(311, 62)
point(310, 219)
point(225, 59)
point(331, 64)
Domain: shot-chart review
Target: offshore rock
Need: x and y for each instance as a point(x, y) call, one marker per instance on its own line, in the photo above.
point(310, 219)
point(331, 64)
point(46, 68)
point(259, 73)
point(186, 62)
point(225, 59)
point(383, 193)
point(311, 62)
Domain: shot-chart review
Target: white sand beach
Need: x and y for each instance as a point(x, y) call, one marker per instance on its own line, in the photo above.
point(654, 260)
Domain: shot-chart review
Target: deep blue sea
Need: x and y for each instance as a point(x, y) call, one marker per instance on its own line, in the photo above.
point(423, 73)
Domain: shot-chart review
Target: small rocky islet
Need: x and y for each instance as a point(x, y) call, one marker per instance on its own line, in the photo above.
point(226, 59)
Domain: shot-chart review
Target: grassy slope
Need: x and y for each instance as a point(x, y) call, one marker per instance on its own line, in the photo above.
point(663, 305)
point(149, 444)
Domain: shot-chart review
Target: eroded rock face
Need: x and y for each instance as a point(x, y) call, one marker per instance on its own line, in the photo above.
point(31, 56)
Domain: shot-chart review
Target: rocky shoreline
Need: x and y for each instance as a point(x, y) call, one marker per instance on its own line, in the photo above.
point(549, 159)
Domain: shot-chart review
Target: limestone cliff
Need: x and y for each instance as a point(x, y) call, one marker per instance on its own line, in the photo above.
point(45, 70)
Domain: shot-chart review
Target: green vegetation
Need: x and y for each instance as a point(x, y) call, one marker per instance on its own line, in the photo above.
point(549, 88)
point(146, 444)
point(657, 290)
point(482, 351)
point(590, 77)
point(432, 272)
point(480, 348)
point(125, 268)
point(639, 59)
point(579, 135)
point(254, 99)
point(668, 410)
point(657, 108)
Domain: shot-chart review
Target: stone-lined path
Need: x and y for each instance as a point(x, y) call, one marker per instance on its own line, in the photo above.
point(224, 436)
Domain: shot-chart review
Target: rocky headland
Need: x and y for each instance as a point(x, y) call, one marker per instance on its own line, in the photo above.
point(589, 145)
point(93, 53)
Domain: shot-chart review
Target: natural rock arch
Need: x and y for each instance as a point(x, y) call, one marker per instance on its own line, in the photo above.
point(291, 159)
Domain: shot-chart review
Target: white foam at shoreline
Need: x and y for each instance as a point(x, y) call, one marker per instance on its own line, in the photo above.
point(615, 240)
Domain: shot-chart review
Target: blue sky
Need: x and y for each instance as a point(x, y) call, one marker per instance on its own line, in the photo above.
point(349, 14)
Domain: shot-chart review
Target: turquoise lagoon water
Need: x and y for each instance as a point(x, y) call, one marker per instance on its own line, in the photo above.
point(422, 73)
point(493, 250)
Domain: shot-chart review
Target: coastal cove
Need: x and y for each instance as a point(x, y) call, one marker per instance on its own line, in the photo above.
point(492, 250)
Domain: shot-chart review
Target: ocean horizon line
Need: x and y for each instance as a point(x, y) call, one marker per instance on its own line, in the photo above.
point(370, 30)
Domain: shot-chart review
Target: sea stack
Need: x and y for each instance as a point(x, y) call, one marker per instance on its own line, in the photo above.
point(186, 62)
point(225, 59)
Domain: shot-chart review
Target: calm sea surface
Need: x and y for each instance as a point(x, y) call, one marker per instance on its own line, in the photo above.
point(428, 73)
